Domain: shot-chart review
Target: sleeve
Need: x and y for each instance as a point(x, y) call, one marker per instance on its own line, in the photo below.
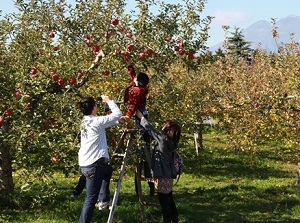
point(113, 117)
point(131, 72)
point(157, 136)
point(134, 101)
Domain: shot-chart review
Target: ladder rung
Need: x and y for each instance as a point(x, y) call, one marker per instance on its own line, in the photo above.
point(118, 155)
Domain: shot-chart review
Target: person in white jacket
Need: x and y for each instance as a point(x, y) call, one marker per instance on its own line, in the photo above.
point(93, 155)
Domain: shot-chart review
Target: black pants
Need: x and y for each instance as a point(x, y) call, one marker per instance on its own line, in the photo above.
point(168, 207)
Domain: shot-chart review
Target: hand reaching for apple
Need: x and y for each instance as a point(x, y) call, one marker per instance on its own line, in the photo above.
point(105, 98)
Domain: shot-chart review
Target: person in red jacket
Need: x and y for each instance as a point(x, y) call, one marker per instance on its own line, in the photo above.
point(136, 95)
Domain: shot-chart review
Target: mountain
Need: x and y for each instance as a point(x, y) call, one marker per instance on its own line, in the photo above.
point(260, 34)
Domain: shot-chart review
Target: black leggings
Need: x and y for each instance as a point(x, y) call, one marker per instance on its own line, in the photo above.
point(168, 207)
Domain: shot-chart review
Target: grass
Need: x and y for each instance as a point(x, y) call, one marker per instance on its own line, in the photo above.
point(219, 185)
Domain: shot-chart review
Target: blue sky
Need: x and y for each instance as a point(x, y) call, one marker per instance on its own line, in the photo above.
point(234, 13)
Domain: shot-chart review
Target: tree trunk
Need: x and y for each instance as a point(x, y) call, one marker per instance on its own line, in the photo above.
point(6, 180)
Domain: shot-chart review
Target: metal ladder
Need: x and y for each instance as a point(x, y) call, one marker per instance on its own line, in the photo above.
point(121, 152)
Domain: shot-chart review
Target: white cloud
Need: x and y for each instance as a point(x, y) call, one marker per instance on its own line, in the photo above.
point(231, 18)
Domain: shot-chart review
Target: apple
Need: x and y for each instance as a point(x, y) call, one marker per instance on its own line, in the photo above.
point(96, 49)
point(54, 159)
point(55, 76)
point(115, 21)
point(88, 43)
point(142, 55)
point(106, 73)
point(130, 47)
point(80, 74)
point(18, 94)
point(129, 126)
point(51, 34)
point(256, 105)
point(61, 81)
point(47, 123)
point(72, 80)
point(56, 48)
point(89, 36)
point(33, 71)
point(168, 38)
point(129, 34)
point(176, 48)
point(107, 35)
point(149, 52)
point(191, 56)
point(7, 112)
point(1, 120)
point(180, 52)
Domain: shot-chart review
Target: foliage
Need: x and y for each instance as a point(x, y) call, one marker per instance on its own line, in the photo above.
point(51, 56)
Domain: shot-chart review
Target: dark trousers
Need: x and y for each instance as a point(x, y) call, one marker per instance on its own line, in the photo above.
point(168, 207)
point(95, 174)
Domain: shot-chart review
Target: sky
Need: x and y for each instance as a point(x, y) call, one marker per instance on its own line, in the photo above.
point(233, 13)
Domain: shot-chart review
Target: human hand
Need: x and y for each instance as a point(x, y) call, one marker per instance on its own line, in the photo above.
point(105, 98)
point(123, 119)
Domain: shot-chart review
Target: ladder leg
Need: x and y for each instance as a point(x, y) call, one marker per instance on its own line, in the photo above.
point(122, 172)
point(138, 173)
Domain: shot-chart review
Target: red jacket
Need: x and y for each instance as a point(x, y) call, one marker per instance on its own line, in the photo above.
point(135, 96)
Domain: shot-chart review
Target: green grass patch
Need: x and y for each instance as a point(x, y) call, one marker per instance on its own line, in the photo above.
point(219, 185)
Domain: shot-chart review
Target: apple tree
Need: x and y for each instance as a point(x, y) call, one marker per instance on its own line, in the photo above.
point(54, 53)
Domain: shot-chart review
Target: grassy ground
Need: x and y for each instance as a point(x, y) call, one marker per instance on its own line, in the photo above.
point(219, 185)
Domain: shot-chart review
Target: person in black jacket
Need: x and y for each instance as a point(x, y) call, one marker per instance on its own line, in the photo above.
point(163, 164)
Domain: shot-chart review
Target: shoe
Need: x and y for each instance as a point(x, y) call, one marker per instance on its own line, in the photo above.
point(104, 205)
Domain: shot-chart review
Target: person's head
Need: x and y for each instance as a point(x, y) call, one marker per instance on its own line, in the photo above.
point(142, 79)
point(87, 105)
point(172, 130)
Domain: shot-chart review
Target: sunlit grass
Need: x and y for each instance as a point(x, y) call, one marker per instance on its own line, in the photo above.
point(219, 185)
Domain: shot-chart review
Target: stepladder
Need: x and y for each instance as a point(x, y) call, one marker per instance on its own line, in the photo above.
point(127, 146)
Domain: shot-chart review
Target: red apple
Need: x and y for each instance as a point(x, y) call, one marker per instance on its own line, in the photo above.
point(129, 126)
point(54, 159)
point(55, 76)
point(142, 55)
point(256, 105)
point(168, 38)
point(88, 43)
point(107, 35)
point(96, 49)
point(130, 47)
point(33, 71)
point(7, 112)
point(89, 36)
point(115, 21)
point(18, 94)
point(47, 123)
point(180, 52)
point(148, 52)
point(191, 56)
point(80, 74)
point(1, 120)
point(106, 73)
point(72, 80)
point(55, 48)
point(176, 48)
point(129, 35)
point(51, 34)
point(61, 81)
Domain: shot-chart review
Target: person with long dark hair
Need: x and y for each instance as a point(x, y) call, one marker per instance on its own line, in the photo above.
point(166, 142)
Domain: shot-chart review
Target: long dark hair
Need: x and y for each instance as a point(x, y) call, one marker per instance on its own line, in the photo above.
point(86, 105)
point(172, 130)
